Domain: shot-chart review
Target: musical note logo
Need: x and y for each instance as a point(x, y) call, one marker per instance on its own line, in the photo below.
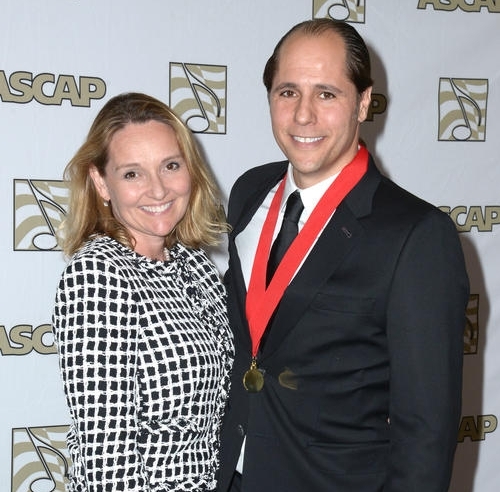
point(471, 334)
point(39, 208)
point(40, 460)
point(198, 96)
point(462, 109)
point(345, 10)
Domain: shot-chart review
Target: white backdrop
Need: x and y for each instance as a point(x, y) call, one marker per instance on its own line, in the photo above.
point(434, 129)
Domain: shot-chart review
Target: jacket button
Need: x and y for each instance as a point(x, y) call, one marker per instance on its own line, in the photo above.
point(240, 429)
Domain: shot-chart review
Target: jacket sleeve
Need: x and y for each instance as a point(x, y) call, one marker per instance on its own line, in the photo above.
point(425, 326)
point(95, 326)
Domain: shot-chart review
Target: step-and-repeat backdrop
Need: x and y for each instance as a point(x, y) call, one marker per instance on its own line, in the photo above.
point(434, 127)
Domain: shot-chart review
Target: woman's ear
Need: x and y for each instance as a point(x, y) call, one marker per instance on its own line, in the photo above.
point(99, 182)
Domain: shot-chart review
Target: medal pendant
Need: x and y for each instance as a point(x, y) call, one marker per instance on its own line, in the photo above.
point(253, 380)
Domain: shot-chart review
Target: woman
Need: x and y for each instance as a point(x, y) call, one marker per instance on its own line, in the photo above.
point(140, 319)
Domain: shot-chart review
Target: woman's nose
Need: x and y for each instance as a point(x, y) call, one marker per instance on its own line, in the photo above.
point(157, 187)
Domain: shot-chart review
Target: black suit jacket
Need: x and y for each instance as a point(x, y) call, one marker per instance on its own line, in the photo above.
point(363, 360)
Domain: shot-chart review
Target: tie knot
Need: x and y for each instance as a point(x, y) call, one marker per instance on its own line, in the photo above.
point(294, 207)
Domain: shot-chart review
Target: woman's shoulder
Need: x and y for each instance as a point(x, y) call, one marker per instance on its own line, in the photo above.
point(100, 261)
point(101, 250)
point(102, 247)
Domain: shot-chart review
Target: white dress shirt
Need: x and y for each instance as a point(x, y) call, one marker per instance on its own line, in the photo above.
point(248, 239)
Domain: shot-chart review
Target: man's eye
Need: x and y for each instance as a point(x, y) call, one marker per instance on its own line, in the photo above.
point(327, 95)
point(130, 175)
point(287, 93)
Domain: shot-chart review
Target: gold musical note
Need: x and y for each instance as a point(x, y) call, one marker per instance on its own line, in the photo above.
point(471, 333)
point(45, 240)
point(339, 11)
point(199, 123)
point(464, 131)
point(48, 483)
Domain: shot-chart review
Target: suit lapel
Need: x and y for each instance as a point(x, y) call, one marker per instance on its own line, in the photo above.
point(338, 238)
point(245, 210)
point(247, 206)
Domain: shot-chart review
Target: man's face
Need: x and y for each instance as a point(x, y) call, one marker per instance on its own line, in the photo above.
point(315, 108)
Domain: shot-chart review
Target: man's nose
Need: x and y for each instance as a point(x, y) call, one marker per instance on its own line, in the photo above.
point(304, 111)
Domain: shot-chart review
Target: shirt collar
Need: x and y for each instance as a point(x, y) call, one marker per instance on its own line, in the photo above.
point(310, 196)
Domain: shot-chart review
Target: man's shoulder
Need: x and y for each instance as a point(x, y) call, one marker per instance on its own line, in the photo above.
point(402, 208)
point(262, 174)
point(394, 193)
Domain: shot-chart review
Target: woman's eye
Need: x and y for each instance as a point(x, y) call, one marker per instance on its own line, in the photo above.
point(172, 166)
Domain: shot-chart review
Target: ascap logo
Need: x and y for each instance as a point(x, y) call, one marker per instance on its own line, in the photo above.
point(493, 6)
point(198, 96)
point(378, 105)
point(462, 109)
point(345, 10)
point(476, 428)
point(474, 217)
point(471, 334)
point(40, 459)
point(49, 89)
point(39, 208)
point(22, 339)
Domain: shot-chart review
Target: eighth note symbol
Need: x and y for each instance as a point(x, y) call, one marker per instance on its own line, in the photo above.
point(464, 131)
point(339, 11)
point(199, 123)
point(45, 241)
point(48, 483)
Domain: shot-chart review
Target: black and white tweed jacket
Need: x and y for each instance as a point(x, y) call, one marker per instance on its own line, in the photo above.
point(145, 354)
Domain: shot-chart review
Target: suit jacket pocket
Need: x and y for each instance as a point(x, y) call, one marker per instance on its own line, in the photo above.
point(343, 304)
point(343, 458)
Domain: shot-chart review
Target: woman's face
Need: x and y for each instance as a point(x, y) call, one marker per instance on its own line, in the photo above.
point(147, 183)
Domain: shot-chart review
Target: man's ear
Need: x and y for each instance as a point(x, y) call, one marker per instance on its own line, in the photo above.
point(99, 182)
point(364, 104)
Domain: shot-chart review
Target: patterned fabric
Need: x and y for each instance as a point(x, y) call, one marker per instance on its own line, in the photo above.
point(145, 353)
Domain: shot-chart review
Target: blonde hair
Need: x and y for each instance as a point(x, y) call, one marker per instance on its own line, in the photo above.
point(89, 216)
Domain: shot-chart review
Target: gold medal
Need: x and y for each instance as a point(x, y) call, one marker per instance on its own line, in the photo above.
point(253, 380)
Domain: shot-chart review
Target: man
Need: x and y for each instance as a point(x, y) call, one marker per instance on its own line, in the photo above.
point(348, 366)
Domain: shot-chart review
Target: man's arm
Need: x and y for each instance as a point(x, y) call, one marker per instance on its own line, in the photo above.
point(425, 326)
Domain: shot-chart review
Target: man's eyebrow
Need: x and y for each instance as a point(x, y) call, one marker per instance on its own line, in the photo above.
point(294, 86)
point(285, 85)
